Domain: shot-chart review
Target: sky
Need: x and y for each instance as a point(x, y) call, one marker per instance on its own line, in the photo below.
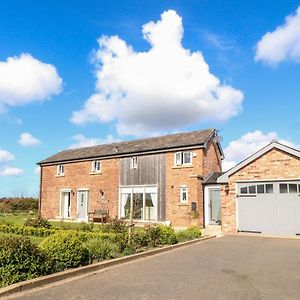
point(81, 73)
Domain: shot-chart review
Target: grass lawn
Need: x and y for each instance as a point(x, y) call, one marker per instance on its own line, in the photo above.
point(35, 239)
point(18, 219)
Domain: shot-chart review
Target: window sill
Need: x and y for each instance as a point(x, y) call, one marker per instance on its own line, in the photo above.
point(95, 173)
point(62, 175)
point(183, 204)
point(182, 167)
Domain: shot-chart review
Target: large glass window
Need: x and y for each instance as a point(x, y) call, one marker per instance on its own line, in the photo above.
point(142, 201)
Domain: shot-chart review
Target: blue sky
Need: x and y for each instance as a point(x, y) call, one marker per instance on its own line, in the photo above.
point(218, 68)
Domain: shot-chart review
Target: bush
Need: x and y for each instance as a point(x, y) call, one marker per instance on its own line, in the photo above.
point(65, 249)
point(85, 226)
point(20, 259)
point(115, 225)
point(100, 249)
point(190, 233)
point(141, 239)
point(9, 205)
point(26, 230)
point(38, 222)
point(161, 235)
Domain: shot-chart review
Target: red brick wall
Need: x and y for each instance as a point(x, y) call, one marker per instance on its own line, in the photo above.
point(77, 175)
point(275, 164)
point(206, 162)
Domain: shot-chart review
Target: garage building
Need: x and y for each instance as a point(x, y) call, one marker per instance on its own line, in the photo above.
point(262, 193)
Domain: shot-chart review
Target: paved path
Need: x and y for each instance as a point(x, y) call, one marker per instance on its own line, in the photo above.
point(232, 267)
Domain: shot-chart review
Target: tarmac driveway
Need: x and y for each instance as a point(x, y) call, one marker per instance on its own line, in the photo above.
point(232, 267)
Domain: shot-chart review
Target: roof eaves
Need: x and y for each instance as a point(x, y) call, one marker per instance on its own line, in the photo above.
point(126, 154)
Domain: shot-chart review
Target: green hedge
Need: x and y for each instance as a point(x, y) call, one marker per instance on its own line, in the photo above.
point(188, 234)
point(8, 205)
point(65, 249)
point(26, 230)
point(20, 259)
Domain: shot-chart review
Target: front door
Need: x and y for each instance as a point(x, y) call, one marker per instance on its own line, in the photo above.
point(215, 206)
point(82, 205)
point(65, 204)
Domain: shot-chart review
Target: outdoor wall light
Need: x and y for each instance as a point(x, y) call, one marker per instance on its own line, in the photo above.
point(226, 189)
point(102, 194)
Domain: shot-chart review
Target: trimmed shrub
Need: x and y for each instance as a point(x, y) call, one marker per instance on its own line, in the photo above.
point(38, 222)
point(20, 259)
point(26, 230)
point(161, 235)
point(190, 233)
point(65, 249)
point(100, 249)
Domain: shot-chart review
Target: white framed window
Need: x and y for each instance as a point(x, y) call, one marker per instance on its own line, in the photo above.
point(60, 170)
point(142, 200)
point(183, 158)
point(133, 162)
point(96, 166)
point(184, 194)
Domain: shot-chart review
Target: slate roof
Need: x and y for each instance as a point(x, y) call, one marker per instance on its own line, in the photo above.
point(212, 178)
point(171, 141)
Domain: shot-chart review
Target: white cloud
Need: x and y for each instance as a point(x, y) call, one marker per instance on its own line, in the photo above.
point(5, 156)
point(82, 141)
point(37, 170)
point(26, 139)
point(6, 170)
point(161, 89)
point(24, 79)
point(10, 171)
point(247, 145)
point(281, 44)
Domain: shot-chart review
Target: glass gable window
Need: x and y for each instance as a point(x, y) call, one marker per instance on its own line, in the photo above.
point(141, 200)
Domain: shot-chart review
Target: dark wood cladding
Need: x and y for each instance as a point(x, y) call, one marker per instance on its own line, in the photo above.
point(151, 170)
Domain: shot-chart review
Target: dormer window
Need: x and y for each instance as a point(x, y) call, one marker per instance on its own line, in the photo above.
point(60, 170)
point(183, 158)
point(133, 162)
point(96, 166)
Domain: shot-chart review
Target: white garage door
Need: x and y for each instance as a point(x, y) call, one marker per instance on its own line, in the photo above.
point(269, 207)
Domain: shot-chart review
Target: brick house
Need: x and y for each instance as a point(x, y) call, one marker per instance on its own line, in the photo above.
point(261, 194)
point(160, 179)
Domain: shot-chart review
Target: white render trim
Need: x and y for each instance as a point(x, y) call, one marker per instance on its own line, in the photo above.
point(207, 189)
point(83, 189)
point(273, 145)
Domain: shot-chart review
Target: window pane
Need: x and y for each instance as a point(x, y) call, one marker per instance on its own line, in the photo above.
point(137, 199)
point(283, 188)
point(292, 188)
point(252, 189)
point(260, 189)
point(184, 194)
point(269, 188)
point(125, 208)
point(244, 190)
point(178, 158)
point(150, 206)
point(187, 157)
